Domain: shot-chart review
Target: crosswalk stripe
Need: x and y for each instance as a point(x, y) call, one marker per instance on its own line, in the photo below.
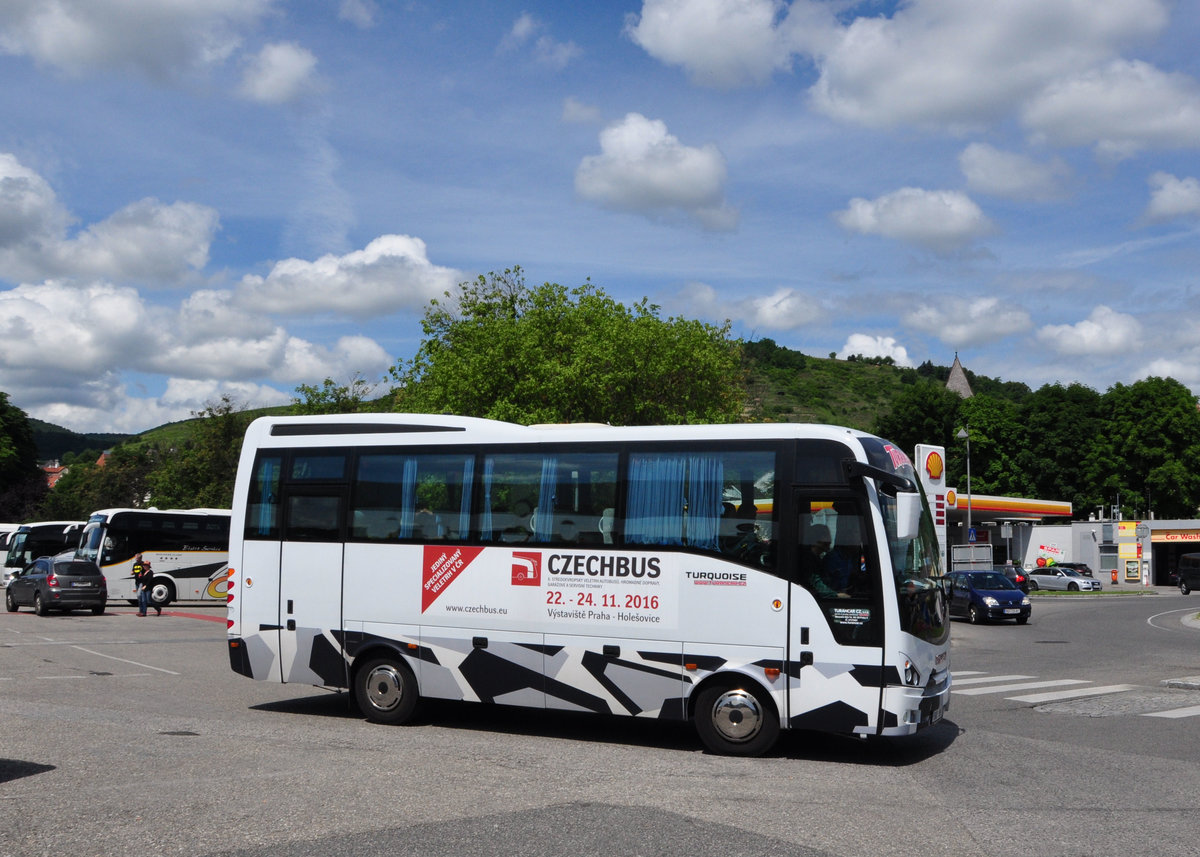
point(981, 683)
point(988, 679)
point(1190, 711)
point(1036, 698)
point(1008, 688)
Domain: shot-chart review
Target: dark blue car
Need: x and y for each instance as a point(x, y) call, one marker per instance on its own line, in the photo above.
point(985, 596)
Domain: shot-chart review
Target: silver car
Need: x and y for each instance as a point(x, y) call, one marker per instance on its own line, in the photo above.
point(1068, 579)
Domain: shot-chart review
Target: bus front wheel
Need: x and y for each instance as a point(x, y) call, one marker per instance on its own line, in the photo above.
point(736, 721)
point(386, 691)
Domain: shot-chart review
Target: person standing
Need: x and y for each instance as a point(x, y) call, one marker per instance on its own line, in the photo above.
point(143, 576)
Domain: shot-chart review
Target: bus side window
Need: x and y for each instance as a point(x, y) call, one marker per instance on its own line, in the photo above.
point(420, 497)
point(262, 507)
point(314, 517)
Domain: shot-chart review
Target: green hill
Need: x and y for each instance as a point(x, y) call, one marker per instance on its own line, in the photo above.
point(53, 442)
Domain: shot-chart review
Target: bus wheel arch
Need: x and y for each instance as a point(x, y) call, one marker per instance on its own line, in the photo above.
point(735, 715)
point(385, 688)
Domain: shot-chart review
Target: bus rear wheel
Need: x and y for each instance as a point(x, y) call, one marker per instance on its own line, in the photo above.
point(736, 720)
point(162, 593)
point(386, 691)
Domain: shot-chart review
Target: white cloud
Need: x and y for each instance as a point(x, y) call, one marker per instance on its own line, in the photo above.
point(645, 170)
point(875, 346)
point(1012, 176)
point(162, 41)
point(305, 360)
point(391, 273)
point(360, 13)
point(939, 220)
point(280, 73)
point(1172, 198)
point(146, 242)
point(110, 406)
point(576, 111)
point(52, 331)
point(529, 30)
point(945, 63)
point(1123, 107)
point(961, 64)
point(959, 322)
point(1105, 331)
point(783, 309)
point(721, 43)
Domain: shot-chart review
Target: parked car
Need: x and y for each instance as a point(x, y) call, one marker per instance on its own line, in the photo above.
point(1082, 567)
point(1058, 577)
point(985, 596)
point(50, 583)
point(1017, 575)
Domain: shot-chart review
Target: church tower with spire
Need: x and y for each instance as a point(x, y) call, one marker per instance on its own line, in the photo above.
point(958, 380)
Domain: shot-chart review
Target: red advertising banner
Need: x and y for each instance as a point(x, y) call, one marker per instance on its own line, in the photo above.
point(442, 565)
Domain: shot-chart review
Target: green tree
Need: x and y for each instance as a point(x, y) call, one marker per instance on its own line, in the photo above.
point(925, 412)
point(122, 481)
point(495, 348)
point(22, 482)
point(1148, 449)
point(1059, 426)
point(333, 398)
point(996, 436)
point(200, 470)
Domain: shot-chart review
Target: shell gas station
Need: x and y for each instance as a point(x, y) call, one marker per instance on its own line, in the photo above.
point(1040, 532)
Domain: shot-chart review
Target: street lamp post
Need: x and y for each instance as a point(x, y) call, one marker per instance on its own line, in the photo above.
point(965, 434)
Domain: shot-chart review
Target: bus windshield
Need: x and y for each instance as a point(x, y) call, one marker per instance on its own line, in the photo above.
point(917, 568)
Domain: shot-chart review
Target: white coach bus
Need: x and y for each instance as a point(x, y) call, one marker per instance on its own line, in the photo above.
point(747, 577)
point(188, 551)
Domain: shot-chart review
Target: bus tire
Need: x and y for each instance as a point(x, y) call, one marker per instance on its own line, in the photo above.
point(736, 719)
point(386, 690)
point(162, 593)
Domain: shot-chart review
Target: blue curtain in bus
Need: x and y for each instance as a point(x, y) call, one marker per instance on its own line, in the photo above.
point(706, 480)
point(544, 525)
point(464, 508)
point(485, 522)
point(268, 478)
point(408, 498)
point(655, 505)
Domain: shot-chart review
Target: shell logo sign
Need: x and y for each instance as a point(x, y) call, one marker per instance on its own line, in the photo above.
point(935, 466)
point(952, 498)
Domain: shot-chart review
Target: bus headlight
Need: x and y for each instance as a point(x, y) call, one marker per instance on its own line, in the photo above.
point(912, 676)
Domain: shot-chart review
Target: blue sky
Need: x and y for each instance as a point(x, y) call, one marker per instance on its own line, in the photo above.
point(209, 197)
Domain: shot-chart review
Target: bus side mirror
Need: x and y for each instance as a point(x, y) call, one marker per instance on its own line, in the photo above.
point(908, 515)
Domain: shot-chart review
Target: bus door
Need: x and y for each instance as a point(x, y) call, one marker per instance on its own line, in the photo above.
point(837, 618)
point(310, 585)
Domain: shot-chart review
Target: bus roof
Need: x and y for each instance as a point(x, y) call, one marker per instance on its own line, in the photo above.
point(107, 514)
point(328, 430)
